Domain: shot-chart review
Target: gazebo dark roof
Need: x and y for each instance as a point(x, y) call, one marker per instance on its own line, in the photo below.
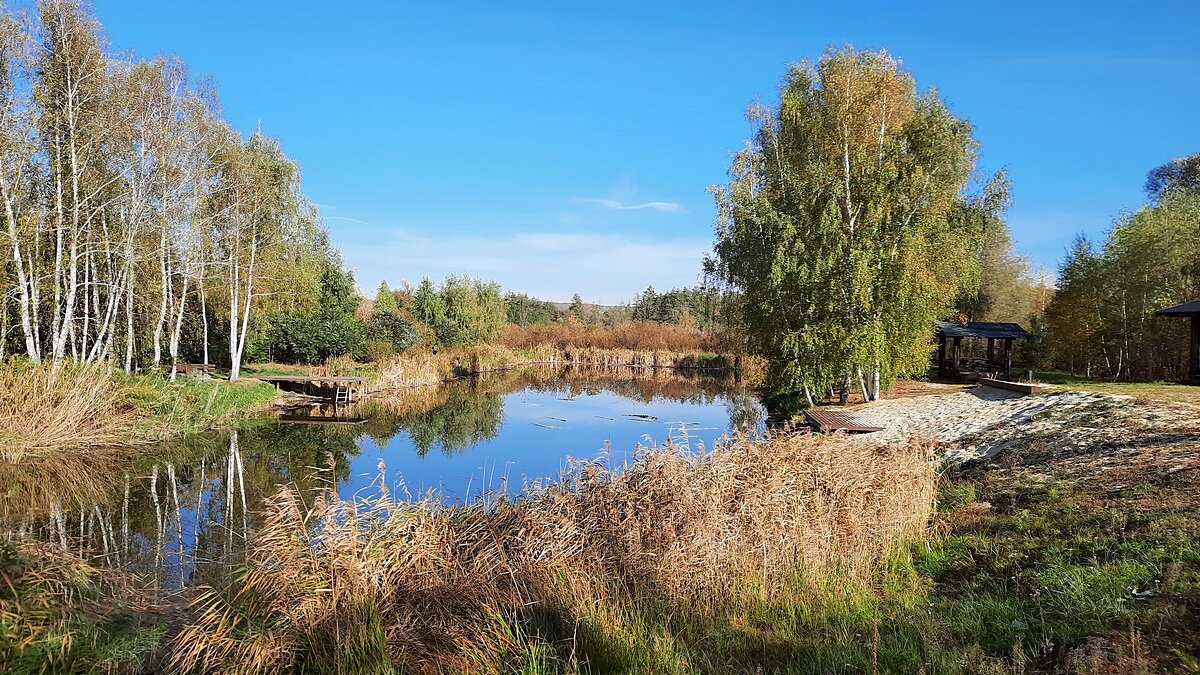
point(1186, 309)
point(982, 329)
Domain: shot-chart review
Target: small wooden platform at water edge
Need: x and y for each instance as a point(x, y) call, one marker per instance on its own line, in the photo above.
point(828, 421)
point(338, 389)
point(1020, 387)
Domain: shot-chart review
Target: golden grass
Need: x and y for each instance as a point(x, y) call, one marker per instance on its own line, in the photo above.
point(636, 335)
point(424, 587)
point(77, 406)
point(416, 368)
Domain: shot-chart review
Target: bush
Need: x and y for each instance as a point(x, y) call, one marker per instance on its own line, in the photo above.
point(390, 328)
point(378, 350)
point(308, 338)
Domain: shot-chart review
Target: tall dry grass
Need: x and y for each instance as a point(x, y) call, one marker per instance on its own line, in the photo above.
point(427, 588)
point(76, 406)
point(636, 335)
point(422, 368)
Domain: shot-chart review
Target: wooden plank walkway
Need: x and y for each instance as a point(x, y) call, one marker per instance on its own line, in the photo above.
point(344, 389)
point(828, 420)
point(1019, 387)
point(319, 380)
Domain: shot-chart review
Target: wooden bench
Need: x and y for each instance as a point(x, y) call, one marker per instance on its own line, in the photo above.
point(194, 369)
point(1019, 387)
point(826, 421)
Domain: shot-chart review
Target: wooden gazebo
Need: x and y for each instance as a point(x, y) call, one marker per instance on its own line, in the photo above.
point(1192, 311)
point(952, 363)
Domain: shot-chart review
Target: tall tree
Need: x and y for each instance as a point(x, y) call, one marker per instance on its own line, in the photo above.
point(385, 300)
point(836, 224)
point(1176, 176)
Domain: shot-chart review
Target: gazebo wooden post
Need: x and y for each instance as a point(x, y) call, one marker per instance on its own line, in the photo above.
point(941, 355)
point(991, 357)
point(957, 347)
point(1194, 360)
point(1007, 355)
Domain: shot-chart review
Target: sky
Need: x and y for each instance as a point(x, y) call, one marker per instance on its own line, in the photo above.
point(562, 148)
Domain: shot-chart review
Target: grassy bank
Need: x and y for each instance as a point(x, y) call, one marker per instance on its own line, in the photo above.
point(80, 407)
point(1072, 550)
point(596, 571)
point(1173, 392)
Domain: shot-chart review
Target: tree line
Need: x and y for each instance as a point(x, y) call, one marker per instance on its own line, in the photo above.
point(1102, 316)
point(130, 205)
point(855, 219)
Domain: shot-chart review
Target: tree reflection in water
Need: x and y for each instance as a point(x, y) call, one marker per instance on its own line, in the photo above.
point(183, 516)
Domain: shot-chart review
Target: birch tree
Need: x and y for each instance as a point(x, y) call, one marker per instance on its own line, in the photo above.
point(20, 209)
point(70, 92)
point(835, 224)
point(257, 197)
point(127, 205)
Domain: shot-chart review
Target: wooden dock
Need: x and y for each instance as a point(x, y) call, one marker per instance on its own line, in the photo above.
point(827, 421)
point(339, 389)
point(1027, 388)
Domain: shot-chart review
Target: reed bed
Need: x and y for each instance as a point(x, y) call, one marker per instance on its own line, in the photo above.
point(421, 368)
point(60, 614)
point(396, 586)
point(635, 335)
point(75, 406)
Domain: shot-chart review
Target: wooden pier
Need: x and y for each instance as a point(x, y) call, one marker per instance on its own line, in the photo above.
point(826, 421)
point(333, 388)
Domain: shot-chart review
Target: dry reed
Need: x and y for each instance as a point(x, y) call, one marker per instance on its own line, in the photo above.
point(421, 368)
point(420, 586)
point(636, 335)
point(76, 406)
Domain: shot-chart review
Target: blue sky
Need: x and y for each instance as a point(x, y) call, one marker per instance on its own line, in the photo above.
point(566, 147)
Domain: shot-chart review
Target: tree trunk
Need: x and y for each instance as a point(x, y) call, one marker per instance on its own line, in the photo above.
point(174, 342)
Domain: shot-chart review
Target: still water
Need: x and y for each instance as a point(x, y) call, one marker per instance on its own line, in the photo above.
point(184, 516)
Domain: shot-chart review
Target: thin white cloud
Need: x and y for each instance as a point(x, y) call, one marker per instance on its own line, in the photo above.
point(604, 268)
point(347, 219)
point(664, 207)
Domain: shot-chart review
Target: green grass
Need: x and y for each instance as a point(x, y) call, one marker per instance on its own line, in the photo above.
point(189, 405)
point(1157, 391)
point(1018, 587)
point(59, 615)
point(257, 369)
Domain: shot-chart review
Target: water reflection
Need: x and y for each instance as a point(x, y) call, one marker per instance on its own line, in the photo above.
point(183, 516)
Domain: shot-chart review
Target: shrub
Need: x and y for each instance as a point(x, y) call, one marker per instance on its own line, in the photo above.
point(378, 350)
point(392, 328)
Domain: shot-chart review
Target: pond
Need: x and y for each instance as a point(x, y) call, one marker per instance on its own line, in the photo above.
point(184, 515)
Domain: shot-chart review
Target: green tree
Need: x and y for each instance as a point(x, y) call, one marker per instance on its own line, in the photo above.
point(385, 299)
point(428, 307)
point(523, 310)
point(576, 308)
point(464, 311)
point(836, 224)
point(1102, 317)
point(1177, 175)
point(392, 328)
point(313, 334)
